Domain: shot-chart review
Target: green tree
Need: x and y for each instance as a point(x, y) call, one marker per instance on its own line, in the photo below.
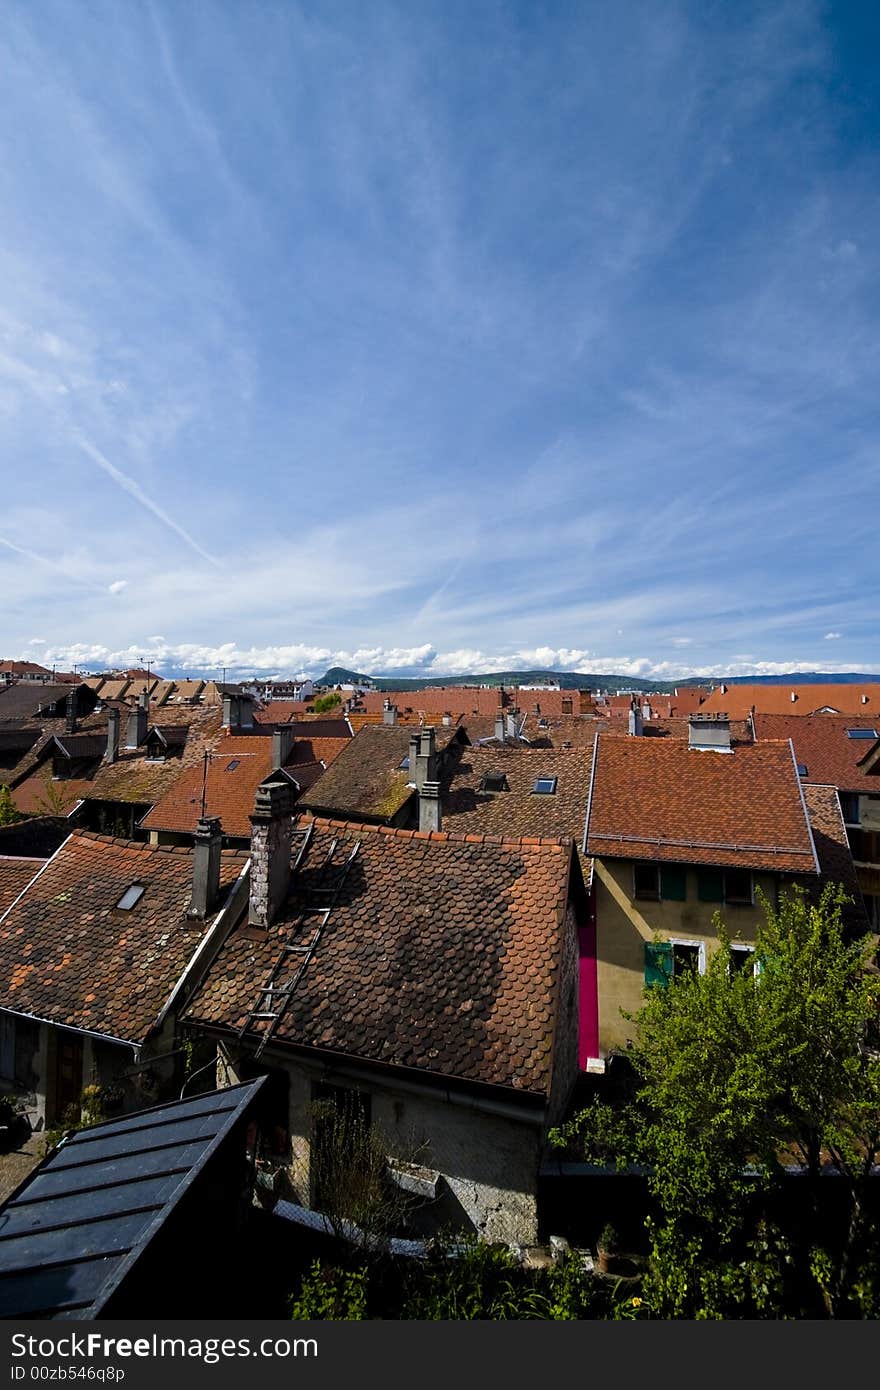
point(327, 702)
point(8, 813)
point(737, 1076)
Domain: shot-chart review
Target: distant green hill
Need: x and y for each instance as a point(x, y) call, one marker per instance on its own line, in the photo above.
point(581, 680)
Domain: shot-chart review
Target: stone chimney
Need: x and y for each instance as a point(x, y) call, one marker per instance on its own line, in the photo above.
point(136, 730)
point(206, 867)
point(70, 712)
point(271, 825)
point(426, 761)
point(283, 740)
point(414, 744)
point(447, 719)
point(430, 815)
point(389, 713)
point(646, 711)
point(500, 726)
point(512, 731)
point(635, 719)
point(144, 699)
point(112, 736)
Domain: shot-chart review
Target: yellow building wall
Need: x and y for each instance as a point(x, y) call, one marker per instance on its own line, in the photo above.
point(624, 925)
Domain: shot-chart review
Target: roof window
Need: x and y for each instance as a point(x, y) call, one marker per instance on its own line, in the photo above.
point(544, 786)
point(404, 764)
point(230, 767)
point(131, 896)
point(494, 782)
point(801, 769)
point(861, 733)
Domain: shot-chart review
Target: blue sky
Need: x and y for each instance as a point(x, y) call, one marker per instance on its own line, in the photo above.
point(432, 337)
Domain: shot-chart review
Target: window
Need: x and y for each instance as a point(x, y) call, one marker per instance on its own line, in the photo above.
point(131, 896)
point(725, 886)
point(742, 960)
point(494, 782)
point(230, 767)
point(801, 769)
point(861, 733)
point(404, 764)
point(646, 882)
point(544, 786)
point(687, 958)
point(670, 960)
point(653, 882)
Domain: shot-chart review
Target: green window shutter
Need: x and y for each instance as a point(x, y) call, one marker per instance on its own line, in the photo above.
point(673, 882)
point(710, 886)
point(658, 962)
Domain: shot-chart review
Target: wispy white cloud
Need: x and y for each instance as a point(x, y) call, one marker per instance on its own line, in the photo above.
point(117, 586)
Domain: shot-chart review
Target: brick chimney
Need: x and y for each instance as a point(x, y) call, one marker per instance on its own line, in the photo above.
point(389, 713)
point(206, 867)
point(283, 740)
point(136, 731)
point(70, 712)
point(271, 825)
point(430, 815)
point(112, 752)
point(426, 760)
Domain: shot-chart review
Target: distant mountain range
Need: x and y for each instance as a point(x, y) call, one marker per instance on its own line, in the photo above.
point(580, 680)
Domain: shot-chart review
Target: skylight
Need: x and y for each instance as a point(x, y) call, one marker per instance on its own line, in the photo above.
point(230, 767)
point(494, 782)
point(404, 765)
point(544, 786)
point(131, 896)
point(801, 769)
point(861, 733)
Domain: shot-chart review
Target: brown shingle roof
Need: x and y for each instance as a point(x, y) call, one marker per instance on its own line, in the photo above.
point(443, 954)
point(366, 778)
point(135, 779)
point(15, 874)
point(658, 799)
point(69, 955)
point(821, 745)
point(519, 810)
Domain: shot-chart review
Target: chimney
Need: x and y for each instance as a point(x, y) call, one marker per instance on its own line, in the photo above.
point(447, 718)
point(283, 740)
point(864, 699)
point(389, 713)
point(430, 815)
point(137, 727)
point(793, 696)
point(723, 688)
point(512, 731)
point(231, 712)
point(635, 719)
point(206, 867)
point(646, 711)
point(271, 824)
point(426, 761)
point(413, 757)
point(112, 736)
point(144, 699)
point(500, 725)
point(709, 732)
point(70, 712)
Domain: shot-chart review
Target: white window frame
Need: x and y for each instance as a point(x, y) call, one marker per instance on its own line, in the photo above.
point(689, 941)
point(743, 948)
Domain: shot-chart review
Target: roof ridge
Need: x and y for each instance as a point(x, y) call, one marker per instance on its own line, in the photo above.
point(123, 842)
point(447, 836)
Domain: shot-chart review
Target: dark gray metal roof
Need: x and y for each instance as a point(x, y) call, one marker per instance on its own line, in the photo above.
point(73, 1230)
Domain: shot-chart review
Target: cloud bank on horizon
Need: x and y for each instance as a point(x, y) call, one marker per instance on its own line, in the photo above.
point(547, 335)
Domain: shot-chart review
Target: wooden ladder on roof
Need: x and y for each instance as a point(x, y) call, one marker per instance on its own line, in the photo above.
point(302, 940)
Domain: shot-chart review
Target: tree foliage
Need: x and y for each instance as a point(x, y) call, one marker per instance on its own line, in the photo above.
point(8, 814)
point(739, 1077)
point(327, 702)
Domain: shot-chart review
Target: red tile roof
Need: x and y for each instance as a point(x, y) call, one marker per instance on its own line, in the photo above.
point(739, 700)
point(15, 874)
point(457, 699)
point(821, 745)
point(68, 954)
point(237, 765)
point(658, 799)
point(444, 954)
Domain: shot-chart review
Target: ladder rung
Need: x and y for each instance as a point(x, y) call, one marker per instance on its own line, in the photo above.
point(300, 950)
point(252, 1018)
